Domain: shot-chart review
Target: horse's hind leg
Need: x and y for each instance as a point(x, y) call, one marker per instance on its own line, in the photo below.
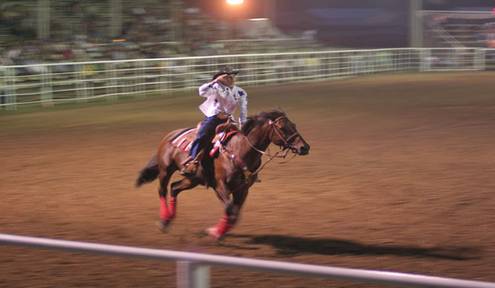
point(176, 188)
point(166, 216)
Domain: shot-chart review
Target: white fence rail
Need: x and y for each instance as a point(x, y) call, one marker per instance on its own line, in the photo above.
point(82, 81)
point(193, 268)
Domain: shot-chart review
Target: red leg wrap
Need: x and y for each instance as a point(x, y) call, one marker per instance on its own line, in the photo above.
point(173, 206)
point(164, 213)
point(223, 226)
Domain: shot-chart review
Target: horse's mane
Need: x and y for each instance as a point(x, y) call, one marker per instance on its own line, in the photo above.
point(259, 119)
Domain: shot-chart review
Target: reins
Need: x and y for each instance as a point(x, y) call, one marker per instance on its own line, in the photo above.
point(271, 157)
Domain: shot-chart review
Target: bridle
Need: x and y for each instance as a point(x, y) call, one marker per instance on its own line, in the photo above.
point(287, 140)
point(285, 148)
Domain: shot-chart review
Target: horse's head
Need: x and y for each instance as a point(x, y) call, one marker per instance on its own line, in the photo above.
point(286, 135)
point(280, 131)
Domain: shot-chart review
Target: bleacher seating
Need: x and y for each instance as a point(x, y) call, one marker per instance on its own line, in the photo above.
point(79, 31)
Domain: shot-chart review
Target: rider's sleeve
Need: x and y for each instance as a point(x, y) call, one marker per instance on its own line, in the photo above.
point(243, 105)
point(203, 89)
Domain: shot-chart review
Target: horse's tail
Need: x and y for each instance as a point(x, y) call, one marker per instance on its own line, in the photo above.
point(149, 173)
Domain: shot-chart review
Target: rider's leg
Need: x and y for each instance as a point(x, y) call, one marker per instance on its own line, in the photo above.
point(205, 133)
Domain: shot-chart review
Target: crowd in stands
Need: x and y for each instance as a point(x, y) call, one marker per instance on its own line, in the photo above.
point(79, 31)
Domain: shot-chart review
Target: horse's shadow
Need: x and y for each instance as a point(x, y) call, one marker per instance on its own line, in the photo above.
point(292, 246)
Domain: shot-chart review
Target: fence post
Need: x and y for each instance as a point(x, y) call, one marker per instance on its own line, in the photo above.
point(10, 92)
point(425, 60)
point(46, 86)
point(140, 76)
point(81, 92)
point(189, 75)
point(192, 275)
point(111, 86)
point(164, 84)
point(479, 59)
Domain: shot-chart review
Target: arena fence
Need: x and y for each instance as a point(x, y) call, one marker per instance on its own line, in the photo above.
point(193, 268)
point(48, 84)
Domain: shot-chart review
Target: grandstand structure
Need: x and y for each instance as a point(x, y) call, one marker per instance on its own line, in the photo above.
point(458, 29)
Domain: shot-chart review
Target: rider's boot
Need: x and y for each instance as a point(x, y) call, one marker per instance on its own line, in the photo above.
point(186, 161)
point(191, 165)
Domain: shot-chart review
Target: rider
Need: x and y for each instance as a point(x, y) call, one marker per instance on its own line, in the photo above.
point(222, 97)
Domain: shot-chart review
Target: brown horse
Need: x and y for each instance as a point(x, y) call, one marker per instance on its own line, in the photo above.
point(230, 173)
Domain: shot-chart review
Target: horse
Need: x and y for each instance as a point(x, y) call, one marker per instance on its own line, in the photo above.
point(231, 172)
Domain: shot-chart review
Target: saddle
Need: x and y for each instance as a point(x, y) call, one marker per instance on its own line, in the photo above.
point(223, 134)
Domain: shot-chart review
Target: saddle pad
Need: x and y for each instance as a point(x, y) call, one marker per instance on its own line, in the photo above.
point(184, 140)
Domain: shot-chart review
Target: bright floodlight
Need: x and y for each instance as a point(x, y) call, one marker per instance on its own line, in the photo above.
point(235, 2)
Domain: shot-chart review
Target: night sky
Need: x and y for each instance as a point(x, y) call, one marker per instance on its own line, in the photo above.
point(254, 8)
point(346, 23)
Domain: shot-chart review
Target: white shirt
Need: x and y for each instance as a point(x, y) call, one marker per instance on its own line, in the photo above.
point(220, 98)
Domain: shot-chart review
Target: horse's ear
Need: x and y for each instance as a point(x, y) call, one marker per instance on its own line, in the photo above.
point(285, 112)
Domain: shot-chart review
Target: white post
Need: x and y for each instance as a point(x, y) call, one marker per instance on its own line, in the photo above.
point(163, 85)
point(115, 18)
point(10, 93)
point(43, 20)
point(192, 275)
point(81, 91)
point(46, 86)
point(142, 86)
point(425, 60)
point(479, 60)
point(175, 10)
point(194, 271)
point(111, 86)
point(415, 23)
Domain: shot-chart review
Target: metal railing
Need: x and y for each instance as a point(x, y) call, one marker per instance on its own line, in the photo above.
point(193, 268)
point(48, 84)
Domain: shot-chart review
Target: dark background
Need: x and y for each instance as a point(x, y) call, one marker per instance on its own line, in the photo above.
point(345, 23)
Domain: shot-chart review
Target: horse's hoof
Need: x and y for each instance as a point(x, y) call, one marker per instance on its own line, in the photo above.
point(213, 232)
point(164, 225)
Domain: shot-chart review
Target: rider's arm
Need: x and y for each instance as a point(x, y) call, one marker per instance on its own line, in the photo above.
point(203, 89)
point(243, 102)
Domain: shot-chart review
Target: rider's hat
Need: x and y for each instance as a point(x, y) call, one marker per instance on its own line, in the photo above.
point(225, 70)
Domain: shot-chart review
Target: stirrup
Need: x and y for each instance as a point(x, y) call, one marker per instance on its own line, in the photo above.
point(190, 168)
point(186, 161)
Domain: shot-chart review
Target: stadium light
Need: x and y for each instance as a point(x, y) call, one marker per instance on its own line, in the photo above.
point(235, 2)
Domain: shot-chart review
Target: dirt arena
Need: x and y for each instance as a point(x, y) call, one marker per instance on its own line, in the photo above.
point(400, 177)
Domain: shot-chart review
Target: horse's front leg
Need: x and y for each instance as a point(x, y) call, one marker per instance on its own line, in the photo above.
point(231, 216)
